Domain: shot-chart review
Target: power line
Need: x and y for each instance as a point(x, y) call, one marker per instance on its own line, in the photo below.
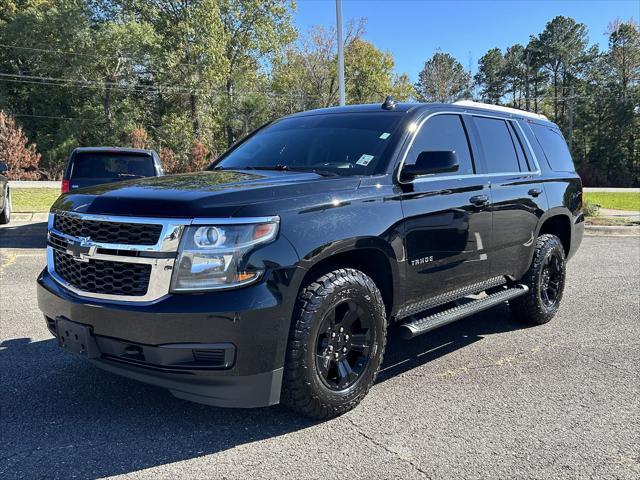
point(158, 88)
point(88, 55)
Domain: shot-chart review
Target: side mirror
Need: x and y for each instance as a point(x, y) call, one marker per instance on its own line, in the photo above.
point(3, 167)
point(431, 162)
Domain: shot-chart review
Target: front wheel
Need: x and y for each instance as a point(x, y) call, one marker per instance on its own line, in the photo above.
point(336, 344)
point(545, 279)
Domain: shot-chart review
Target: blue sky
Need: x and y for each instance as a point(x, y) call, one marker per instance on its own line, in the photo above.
point(412, 30)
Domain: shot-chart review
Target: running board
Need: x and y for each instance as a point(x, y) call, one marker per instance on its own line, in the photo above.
point(431, 322)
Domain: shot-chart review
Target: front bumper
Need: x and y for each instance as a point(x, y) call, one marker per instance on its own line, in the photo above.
point(155, 343)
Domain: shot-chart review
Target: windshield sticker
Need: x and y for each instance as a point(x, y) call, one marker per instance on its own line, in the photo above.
point(385, 135)
point(364, 160)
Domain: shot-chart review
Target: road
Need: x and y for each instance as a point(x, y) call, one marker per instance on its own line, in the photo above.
point(483, 398)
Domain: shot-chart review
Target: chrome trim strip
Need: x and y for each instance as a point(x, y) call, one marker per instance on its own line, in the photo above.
point(161, 268)
point(431, 178)
point(234, 221)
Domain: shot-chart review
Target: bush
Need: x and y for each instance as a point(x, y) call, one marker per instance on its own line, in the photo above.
point(139, 138)
point(169, 160)
point(591, 209)
point(22, 159)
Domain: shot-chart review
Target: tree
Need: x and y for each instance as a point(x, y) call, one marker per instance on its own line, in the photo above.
point(514, 73)
point(186, 68)
point(369, 75)
point(562, 47)
point(490, 77)
point(15, 150)
point(624, 59)
point(624, 53)
point(253, 30)
point(139, 138)
point(442, 79)
point(306, 76)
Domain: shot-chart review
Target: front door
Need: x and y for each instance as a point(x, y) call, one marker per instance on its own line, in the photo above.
point(447, 221)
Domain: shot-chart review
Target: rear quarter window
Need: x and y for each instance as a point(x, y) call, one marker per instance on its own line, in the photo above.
point(554, 147)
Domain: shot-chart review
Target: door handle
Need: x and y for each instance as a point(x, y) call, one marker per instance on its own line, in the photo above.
point(534, 192)
point(479, 200)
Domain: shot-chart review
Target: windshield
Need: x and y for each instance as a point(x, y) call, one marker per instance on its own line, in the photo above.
point(342, 144)
point(111, 165)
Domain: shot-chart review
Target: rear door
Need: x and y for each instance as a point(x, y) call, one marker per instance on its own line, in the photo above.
point(446, 233)
point(518, 199)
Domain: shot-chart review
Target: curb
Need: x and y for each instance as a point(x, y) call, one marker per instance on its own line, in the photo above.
point(29, 217)
point(612, 231)
point(34, 184)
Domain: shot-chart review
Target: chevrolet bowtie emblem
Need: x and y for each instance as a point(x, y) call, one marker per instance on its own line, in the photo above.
point(81, 249)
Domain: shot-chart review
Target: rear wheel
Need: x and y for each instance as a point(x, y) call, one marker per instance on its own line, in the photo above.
point(336, 344)
point(545, 279)
point(5, 215)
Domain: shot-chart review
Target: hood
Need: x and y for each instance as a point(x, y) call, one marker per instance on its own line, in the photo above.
point(207, 194)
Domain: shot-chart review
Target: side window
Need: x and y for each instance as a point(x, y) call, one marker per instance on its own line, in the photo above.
point(497, 144)
point(554, 147)
point(444, 132)
point(523, 160)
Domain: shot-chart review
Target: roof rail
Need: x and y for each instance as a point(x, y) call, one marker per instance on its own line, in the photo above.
point(499, 108)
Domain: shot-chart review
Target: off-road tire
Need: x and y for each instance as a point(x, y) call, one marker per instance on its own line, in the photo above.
point(531, 308)
point(5, 215)
point(303, 389)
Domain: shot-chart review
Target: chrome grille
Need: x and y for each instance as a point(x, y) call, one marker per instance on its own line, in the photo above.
point(108, 232)
point(118, 258)
point(104, 277)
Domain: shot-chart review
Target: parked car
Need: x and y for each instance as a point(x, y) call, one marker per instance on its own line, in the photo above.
point(5, 195)
point(88, 166)
point(273, 276)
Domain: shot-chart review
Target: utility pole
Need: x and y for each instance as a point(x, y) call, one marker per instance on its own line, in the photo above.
point(340, 51)
point(570, 126)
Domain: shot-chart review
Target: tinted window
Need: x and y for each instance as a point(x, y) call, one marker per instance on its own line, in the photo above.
point(555, 148)
point(111, 165)
point(523, 160)
point(497, 145)
point(345, 144)
point(443, 132)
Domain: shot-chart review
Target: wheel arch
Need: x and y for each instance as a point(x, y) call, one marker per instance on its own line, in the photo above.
point(371, 255)
point(557, 222)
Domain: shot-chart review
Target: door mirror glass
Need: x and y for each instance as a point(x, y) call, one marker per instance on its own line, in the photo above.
point(428, 163)
point(3, 167)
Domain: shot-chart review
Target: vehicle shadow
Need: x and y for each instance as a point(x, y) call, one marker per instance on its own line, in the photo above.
point(402, 355)
point(28, 235)
point(61, 417)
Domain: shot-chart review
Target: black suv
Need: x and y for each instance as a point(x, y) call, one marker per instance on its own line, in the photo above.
point(273, 276)
point(88, 166)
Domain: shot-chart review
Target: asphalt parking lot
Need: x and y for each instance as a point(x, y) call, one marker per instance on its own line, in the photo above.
point(483, 398)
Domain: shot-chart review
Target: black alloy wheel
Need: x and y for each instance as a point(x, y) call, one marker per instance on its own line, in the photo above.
point(551, 280)
point(545, 278)
point(336, 344)
point(343, 345)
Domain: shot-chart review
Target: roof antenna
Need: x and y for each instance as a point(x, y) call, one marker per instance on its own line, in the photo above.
point(389, 103)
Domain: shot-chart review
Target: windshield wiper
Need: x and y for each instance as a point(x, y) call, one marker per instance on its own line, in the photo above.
point(291, 168)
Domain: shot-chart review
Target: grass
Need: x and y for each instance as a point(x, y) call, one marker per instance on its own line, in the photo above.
point(33, 199)
point(615, 200)
point(611, 221)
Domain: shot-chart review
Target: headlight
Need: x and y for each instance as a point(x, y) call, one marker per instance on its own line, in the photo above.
point(210, 257)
